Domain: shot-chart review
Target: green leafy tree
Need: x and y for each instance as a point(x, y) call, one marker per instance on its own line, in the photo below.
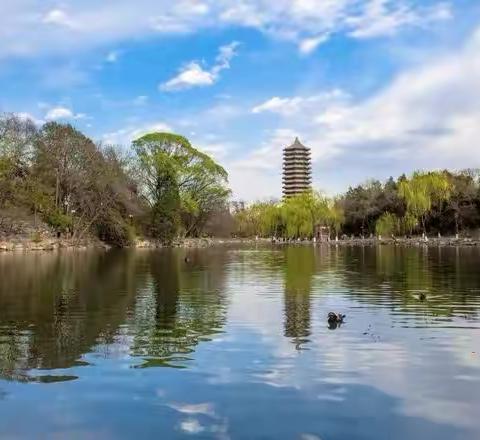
point(160, 182)
point(303, 212)
point(423, 190)
point(408, 223)
point(183, 185)
point(462, 210)
point(17, 137)
point(336, 216)
point(364, 204)
point(387, 224)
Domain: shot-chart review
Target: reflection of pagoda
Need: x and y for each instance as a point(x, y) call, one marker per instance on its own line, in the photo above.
point(297, 169)
point(299, 270)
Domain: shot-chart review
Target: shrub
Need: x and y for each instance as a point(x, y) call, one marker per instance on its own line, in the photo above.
point(387, 224)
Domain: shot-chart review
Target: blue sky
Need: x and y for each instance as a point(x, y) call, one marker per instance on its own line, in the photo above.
point(374, 87)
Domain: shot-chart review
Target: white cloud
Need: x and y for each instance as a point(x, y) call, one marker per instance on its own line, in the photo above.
point(294, 105)
point(378, 19)
point(194, 75)
point(424, 118)
point(310, 22)
point(180, 16)
point(276, 104)
point(27, 29)
point(57, 113)
point(191, 426)
point(126, 135)
point(59, 18)
point(225, 55)
point(308, 45)
point(206, 409)
point(112, 57)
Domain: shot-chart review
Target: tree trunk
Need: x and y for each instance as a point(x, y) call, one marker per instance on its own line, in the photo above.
point(57, 191)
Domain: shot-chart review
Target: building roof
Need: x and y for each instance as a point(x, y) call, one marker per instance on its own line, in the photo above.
point(297, 145)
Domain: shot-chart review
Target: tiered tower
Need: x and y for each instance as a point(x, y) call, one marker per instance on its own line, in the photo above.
point(297, 169)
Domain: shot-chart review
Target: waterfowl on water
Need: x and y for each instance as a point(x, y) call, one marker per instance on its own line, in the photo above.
point(336, 318)
point(421, 296)
point(187, 260)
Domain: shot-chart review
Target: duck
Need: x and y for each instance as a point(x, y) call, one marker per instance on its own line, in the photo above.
point(187, 260)
point(420, 296)
point(335, 318)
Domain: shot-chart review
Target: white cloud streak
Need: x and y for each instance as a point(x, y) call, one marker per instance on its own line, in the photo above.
point(297, 104)
point(58, 17)
point(28, 28)
point(194, 75)
point(62, 113)
point(126, 135)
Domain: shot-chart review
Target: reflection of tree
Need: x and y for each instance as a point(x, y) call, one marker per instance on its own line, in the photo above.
point(61, 306)
point(442, 281)
point(299, 270)
point(65, 305)
point(164, 272)
point(183, 306)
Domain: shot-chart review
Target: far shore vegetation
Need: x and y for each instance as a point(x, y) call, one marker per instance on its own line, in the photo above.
point(163, 188)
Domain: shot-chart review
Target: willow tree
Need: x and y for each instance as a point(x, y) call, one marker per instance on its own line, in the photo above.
point(408, 223)
point(271, 223)
point(183, 185)
point(336, 216)
point(303, 212)
point(421, 191)
point(387, 224)
point(260, 218)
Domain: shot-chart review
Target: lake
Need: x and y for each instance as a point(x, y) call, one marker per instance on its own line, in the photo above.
point(234, 344)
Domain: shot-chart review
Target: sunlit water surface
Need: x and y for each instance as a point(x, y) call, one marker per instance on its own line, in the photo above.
point(234, 344)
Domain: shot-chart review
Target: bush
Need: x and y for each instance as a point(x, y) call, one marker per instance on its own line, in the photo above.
point(116, 231)
point(61, 222)
point(387, 224)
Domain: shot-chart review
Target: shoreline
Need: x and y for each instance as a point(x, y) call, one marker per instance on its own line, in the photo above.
point(51, 245)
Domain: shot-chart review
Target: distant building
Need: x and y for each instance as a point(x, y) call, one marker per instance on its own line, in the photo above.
point(297, 169)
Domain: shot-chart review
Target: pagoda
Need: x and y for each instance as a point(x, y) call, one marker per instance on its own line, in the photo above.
point(297, 169)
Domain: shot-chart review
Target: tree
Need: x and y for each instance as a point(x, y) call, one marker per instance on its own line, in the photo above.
point(336, 216)
point(364, 204)
point(387, 224)
point(180, 182)
point(160, 184)
point(462, 210)
point(422, 190)
point(17, 137)
point(261, 218)
point(71, 169)
point(295, 217)
point(122, 208)
point(302, 213)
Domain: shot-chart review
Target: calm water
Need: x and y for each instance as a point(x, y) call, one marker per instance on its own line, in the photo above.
point(235, 344)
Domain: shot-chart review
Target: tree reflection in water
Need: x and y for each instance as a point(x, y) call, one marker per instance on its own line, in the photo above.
point(65, 305)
